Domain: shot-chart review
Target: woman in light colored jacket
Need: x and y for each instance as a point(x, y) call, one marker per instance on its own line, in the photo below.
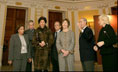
point(65, 46)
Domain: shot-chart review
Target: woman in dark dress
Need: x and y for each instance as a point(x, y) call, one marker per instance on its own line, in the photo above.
point(42, 41)
point(106, 40)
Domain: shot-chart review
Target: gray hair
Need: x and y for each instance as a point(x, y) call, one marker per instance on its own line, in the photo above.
point(84, 19)
point(31, 21)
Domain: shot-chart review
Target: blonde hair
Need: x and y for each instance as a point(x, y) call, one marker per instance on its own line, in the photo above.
point(105, 18)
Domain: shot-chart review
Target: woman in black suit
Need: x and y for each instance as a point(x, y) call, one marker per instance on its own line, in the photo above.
point(19, 50)
point(106, 40)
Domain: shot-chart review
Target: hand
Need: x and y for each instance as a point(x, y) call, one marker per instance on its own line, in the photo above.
point(29, 60)
point(79, 25)
point(100, 44)
point(43, 43)
point(10, 62)
point(66, 53)
point(95, 48)
point(62, 50)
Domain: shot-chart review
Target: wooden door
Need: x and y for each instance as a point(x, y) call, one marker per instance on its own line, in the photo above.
point(14, 18)
point(54, 16)
point(97, 28)
point(114, 10)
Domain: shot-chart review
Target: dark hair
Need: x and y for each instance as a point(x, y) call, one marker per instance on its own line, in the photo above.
point(42, 18)
point(58, 22)
point(30, 21)
point(67, 21)
point(18, 27)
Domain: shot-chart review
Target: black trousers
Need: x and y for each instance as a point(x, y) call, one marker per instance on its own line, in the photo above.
point(108, 62)
point(88, 66)
point(115, 59)
point(29, 66)
point(54, 60)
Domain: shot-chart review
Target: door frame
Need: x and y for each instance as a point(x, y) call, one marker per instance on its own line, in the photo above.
point(26, 16)
point(26, 24)
point(63, 13)
point(58, 11)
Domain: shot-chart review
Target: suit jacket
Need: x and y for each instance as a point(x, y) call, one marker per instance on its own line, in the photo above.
point(66, 41)
point(54, 52)
point(107, 35)
point(86, 42)
point(15, 47)
point(30, 34)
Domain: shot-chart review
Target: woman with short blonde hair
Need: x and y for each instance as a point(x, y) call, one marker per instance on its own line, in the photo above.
point(105, 19)
point(105, 43)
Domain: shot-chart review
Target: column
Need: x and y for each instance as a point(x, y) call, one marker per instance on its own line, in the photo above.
point(70, 18)
point(2, 27)
point(100, 11)
point(108, 10)
point(45, 13)
point(77, 54)
point(32, 17)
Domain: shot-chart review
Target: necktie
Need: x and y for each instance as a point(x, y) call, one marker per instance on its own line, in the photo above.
point(55, 35)
point(32, 30)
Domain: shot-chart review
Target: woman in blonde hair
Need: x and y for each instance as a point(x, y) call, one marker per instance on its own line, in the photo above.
point(105, 43)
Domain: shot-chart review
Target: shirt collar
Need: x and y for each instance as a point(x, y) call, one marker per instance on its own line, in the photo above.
point(83, 29)
point(58, 31)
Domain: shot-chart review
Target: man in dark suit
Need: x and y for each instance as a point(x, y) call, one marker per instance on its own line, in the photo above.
point(86, 43)
point(54, 53)
point(30, 33)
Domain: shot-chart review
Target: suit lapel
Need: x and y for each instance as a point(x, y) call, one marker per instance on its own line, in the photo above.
point(85, 29)
point(25, 39)
point(18, 41)
point(18, 38)
point(83, 32)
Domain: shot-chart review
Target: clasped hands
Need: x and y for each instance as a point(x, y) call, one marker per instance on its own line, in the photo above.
point(99, 44)
point(42, 43)
point(65, 53)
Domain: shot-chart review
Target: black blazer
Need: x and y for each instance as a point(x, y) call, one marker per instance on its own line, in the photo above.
point(54, 48)
point(86, 43)
point(15, 47)
point(107, 35)
point(30, 35)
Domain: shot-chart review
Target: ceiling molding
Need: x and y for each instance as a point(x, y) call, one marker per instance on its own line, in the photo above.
point(72, 1)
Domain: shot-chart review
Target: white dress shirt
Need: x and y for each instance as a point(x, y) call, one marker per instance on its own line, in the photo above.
point(57, 32)
point(24, 45)
point(83, 29)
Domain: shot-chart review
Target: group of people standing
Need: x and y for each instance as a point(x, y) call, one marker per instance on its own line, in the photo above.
point(41, 45)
